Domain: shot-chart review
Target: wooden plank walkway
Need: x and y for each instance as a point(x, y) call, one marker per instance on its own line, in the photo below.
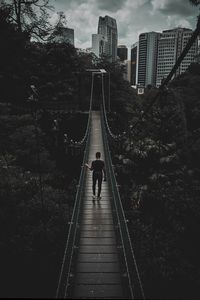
point(97, 273)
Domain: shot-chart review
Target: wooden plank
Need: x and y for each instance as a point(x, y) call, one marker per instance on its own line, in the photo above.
point(97, 214)
point(100, 204)
point(97, 233)
point(102, 227)
point(98, 291)
point(98, 278)
point(96, 209)
point(98, 257)
point(97, 241)
point(97, 222)
point(97, 267)
point(97, 218)
point(97, 249)
point(97, 272)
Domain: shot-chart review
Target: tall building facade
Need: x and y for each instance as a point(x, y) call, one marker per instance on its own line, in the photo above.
point(122, 52)
point(127, 73)
point(147, 58)
point(171, 44)
point(134, 63)
point(107, 27)
point(63, 34)
point(99, 44)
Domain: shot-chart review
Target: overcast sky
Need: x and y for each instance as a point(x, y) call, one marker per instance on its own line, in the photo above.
point(133, 17)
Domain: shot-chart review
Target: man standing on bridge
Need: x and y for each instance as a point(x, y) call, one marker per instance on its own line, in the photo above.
point(98, 168)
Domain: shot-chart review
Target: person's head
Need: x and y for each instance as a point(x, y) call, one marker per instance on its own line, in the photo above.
point(98, 155)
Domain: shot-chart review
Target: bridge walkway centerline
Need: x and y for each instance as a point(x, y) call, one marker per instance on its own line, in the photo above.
point(97, 267)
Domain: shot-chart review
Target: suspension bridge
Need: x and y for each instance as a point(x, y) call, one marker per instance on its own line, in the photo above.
point(99, 261)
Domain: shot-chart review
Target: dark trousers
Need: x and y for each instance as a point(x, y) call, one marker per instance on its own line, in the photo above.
point(97, 176)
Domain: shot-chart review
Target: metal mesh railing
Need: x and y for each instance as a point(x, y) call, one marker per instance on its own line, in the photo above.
point(65, 273)
point(135, 284)
point(113, 136)
point(64, 279)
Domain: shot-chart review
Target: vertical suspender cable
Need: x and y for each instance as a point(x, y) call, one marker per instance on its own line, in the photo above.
point(118, 204)
point(68, 254)
point(91, 93)
point(115, 137)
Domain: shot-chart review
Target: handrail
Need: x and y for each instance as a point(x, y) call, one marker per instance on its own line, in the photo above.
point(113, 136)
point(72, 233)
point(135, 284)
point(84, 139)
point(63, 282)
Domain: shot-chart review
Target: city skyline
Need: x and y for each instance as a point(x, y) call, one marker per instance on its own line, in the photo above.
point(133, 17)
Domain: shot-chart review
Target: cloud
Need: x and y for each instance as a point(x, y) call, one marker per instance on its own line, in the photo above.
point(111, 5)
point(172, 21)
point(84, 20)
point(133, 17)
point(171, 7)
point(68, 3)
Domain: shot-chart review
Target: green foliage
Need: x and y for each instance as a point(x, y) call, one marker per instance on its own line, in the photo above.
point(37, 197)
point(156, 164)
point(30, 16)
point(157, 168)
point(54, 68)
point(121, 94)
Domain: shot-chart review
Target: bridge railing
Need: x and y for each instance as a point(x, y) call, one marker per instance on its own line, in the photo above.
point(103, 108)
point(65, 273)
point(131, 269)
point(63, 288)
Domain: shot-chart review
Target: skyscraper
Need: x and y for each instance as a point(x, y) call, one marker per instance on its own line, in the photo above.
point(99, 44)
point(134, 63)
point(147, 60)
point(127, 73)
point(107, 27)
point(170, 45)
point(63, 34)
point(122, 52)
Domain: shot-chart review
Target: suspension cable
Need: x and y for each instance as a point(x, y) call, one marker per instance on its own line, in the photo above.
point(113, 136)
point(82, 142)
point(183, 54)
point(74, 219)
point(173, 70)
point(117, 201)
point(121, 221)
point(161, 88)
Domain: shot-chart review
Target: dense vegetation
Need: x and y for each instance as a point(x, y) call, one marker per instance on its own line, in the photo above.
point(157, 166)
point(39, 170)
point(38, 177)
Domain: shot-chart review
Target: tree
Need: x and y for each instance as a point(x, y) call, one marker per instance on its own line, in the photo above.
point(30, 16)
point(62, 21)
point(59, 27)
point(11, 61)
point(195, 2)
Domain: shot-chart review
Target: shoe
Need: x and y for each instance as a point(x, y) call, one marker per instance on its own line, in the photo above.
point(93, 197)
point(99, 198)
